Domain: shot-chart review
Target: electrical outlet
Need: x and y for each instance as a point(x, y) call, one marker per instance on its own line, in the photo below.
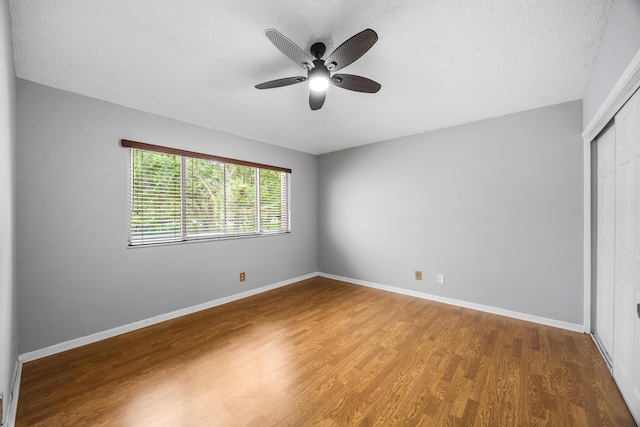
point(418, 275)
point(440, 279)
point(243, 277)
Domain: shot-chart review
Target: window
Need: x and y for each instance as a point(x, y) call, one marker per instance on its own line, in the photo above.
point(177, 196)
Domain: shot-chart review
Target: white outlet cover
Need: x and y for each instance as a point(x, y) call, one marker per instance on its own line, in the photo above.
point(440, 279)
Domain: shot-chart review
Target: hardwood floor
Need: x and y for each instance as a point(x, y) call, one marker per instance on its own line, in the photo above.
point(327, 353)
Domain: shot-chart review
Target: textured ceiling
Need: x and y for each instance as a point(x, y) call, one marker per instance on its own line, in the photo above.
point(440, 62)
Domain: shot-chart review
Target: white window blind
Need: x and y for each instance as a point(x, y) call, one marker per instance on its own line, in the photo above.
point(177, 195)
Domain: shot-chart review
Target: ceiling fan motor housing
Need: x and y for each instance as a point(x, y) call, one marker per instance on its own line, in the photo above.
point(318, 70)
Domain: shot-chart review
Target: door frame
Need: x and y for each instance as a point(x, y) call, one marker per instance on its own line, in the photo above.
point(624, 88)
point(607, 353)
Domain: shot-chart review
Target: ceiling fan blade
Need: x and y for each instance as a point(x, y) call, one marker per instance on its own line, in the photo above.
point(289, 48)
point(316, 99)
point(281, 82)
point(351, 50)
point(356, 83)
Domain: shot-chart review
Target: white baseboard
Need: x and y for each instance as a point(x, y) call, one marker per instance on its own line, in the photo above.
point(79, 342)
point(488, 309)
point(15, 392)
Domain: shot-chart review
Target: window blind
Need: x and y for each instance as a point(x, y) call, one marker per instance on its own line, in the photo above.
point(177, 197)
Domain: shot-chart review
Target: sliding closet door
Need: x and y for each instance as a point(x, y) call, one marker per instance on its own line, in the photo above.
point(626, 352)
point(606, 203)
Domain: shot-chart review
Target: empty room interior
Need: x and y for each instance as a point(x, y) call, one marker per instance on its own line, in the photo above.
point(328, 213)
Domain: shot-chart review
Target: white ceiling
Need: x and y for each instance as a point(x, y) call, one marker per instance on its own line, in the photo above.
point(440, 62)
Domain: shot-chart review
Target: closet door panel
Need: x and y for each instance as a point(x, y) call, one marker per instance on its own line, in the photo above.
point(626, 357)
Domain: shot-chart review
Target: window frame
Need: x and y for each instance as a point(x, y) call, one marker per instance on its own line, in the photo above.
point(185, 236)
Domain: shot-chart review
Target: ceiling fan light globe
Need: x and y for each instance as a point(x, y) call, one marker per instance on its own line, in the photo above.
point(318, 84)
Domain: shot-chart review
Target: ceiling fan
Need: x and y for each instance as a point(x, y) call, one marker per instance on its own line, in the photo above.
point(319, 71)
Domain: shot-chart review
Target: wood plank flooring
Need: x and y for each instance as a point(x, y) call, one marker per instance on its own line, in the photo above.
point(327, 353)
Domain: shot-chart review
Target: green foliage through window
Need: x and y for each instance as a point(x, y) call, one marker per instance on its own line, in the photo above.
point(177, 198)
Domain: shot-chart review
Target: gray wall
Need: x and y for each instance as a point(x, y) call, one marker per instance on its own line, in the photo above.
point(620, 42)
point(75, 273)
point(494, 205)
point(8, 328)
